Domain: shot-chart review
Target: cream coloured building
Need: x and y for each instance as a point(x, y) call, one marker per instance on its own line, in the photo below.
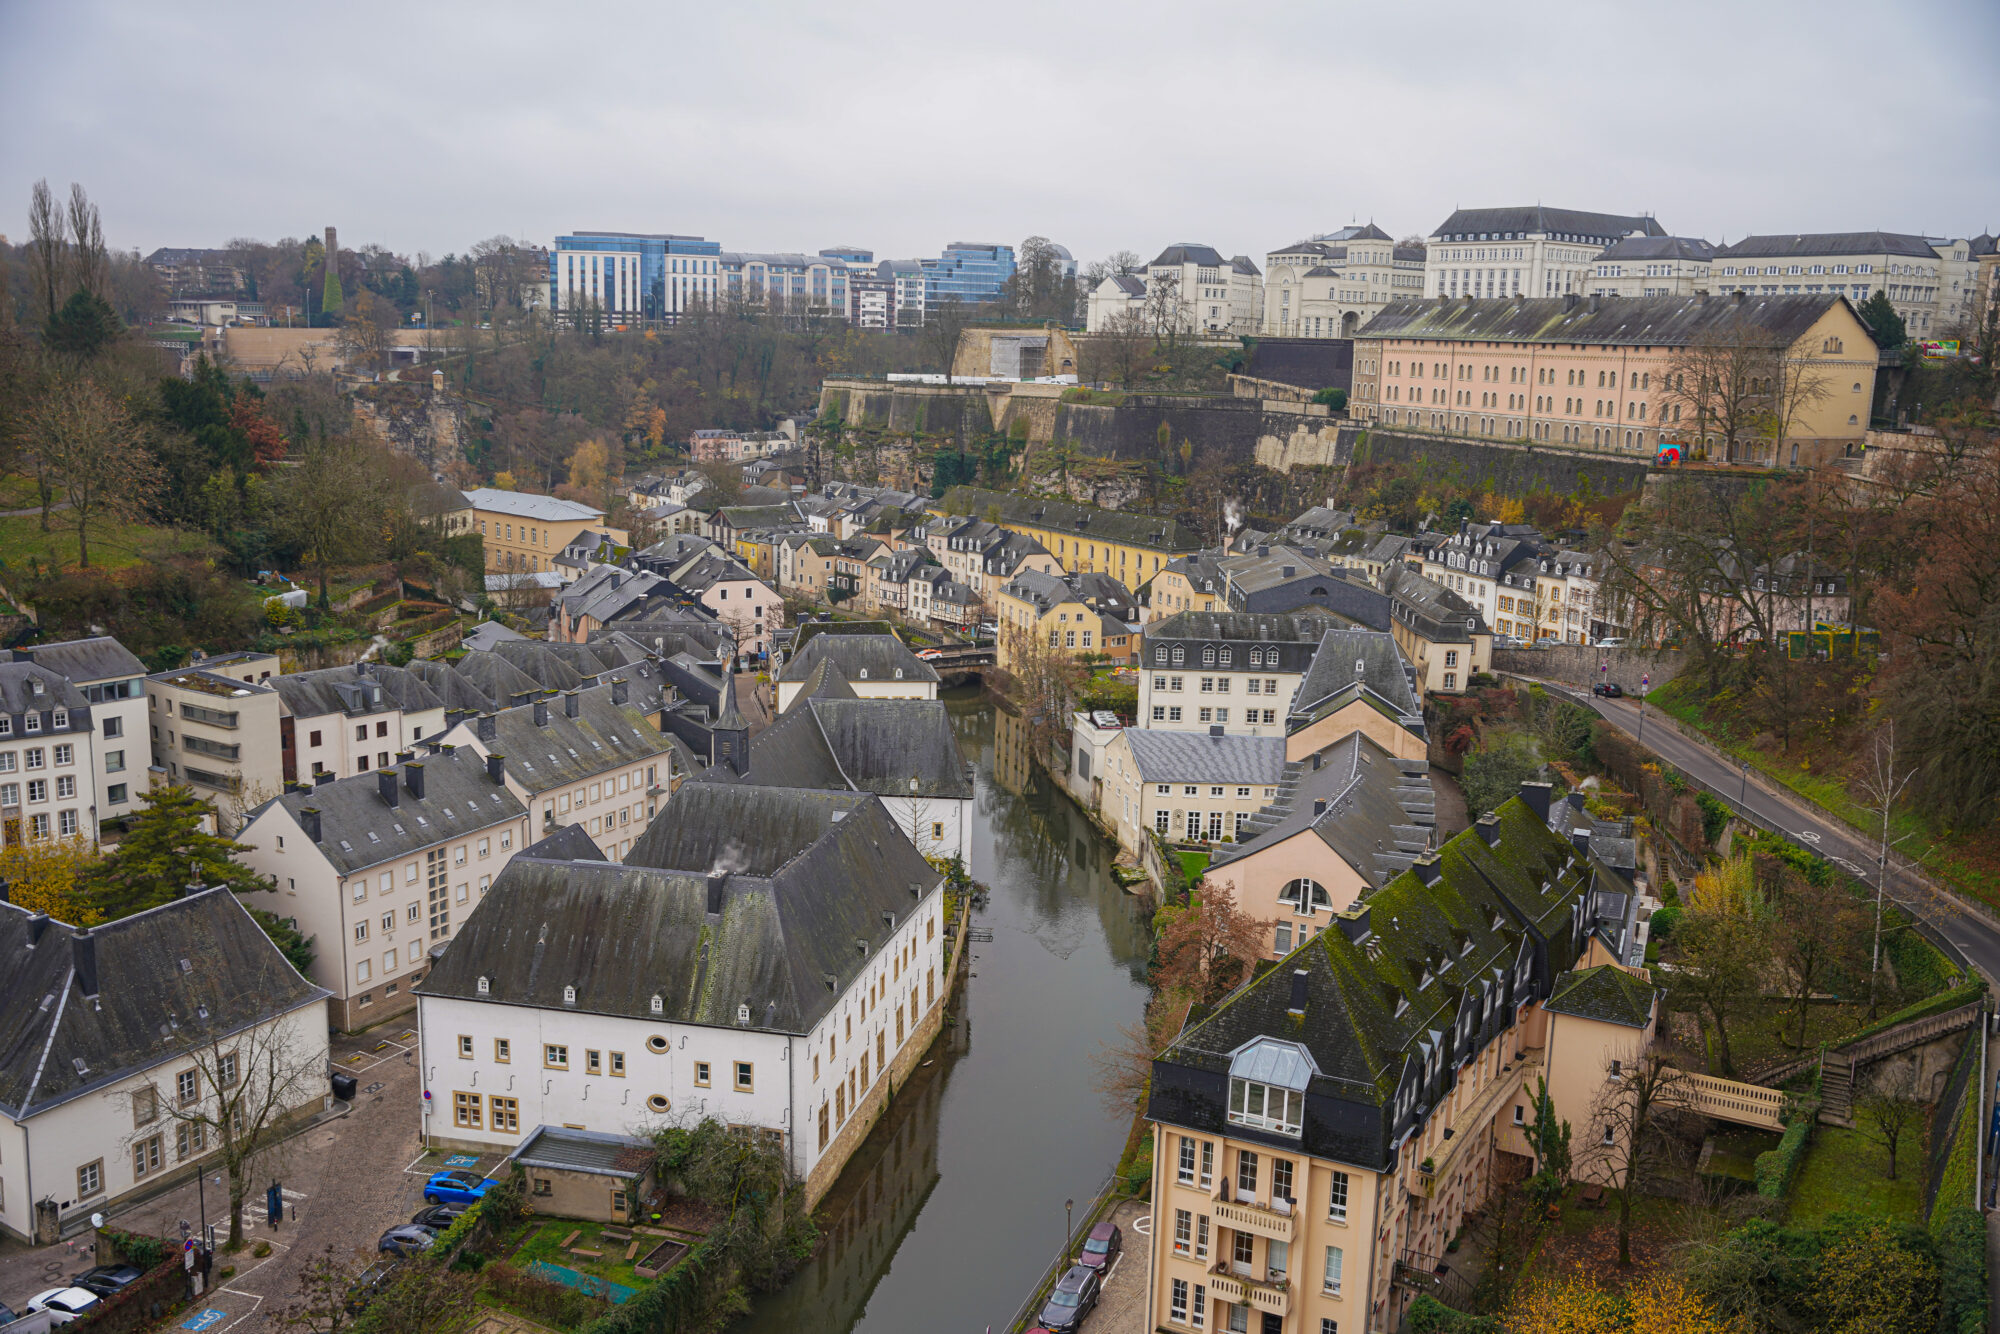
point(1331, 285)
point(528, 532)
point(1216, 296)
point(1532, 251)
point(1653, 266)
point(1929, 282)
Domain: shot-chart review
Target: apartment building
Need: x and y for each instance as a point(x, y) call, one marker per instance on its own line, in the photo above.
point(48, 765)
point(780, 968)
point(214, 729)
point(1485, 563)
point(731, 592)
point(1076, 613)
point(382, 868)
point(1235, 670)
point(1444, 636)
point(1201, 787)
point(1331, 285)
point(822, 567)
point(1211, 295)
point(1928, 282)
point(527, 532)
point(871, 661)
point(1532, 251)
point(1346, 820)
point(983, 555)
point(103, 1102)
point(1653, 266)
point(587, 758)
point(341, 721)
point(1623, 374)
point(633, 275)
point(1322, 1135)
point(1130, 547)
point(113, 683)
point(1359, 681)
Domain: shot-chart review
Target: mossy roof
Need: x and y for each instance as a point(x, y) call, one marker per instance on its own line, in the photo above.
point(1606, 992)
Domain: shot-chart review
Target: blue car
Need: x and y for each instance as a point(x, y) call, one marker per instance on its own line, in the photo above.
point(456, 1188)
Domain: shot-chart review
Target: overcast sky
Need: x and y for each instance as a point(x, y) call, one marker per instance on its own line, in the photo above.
point(430, 124)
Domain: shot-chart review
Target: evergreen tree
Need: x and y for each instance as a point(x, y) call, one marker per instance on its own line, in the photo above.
point(331, 299)
point(1879, 314)
point(85, 326)
point(165, 850)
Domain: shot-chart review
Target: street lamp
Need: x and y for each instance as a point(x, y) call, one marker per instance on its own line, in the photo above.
point(1069, 1227)
point(1645, 680)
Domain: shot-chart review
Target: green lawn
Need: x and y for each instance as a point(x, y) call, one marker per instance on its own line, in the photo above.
point(546, 1244)
point(1194, 865)
point(18, 493)
point(112, 544)
point(1844, 1169)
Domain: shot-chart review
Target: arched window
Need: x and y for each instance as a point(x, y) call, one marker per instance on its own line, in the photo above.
point(1306, 897)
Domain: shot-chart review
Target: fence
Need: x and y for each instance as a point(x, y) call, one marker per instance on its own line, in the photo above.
point(1102, 1203)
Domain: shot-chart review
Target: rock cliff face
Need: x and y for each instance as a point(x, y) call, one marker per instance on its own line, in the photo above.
point(425, 423)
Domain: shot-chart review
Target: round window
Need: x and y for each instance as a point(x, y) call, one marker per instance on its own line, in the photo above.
point(656, 1043)
point(657, 1103)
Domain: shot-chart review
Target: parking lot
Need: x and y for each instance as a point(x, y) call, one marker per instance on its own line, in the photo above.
point(1122, 1307)
point(344, 1180)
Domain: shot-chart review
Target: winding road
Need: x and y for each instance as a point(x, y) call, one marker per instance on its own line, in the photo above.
point(1970, 928)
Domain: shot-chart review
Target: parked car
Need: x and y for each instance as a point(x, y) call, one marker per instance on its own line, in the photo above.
point(65, 1304)
point(1616, 641)
point(438, 1217)
point(106, 1280)
point(1548, 641)
point(406, 1239)
point(456, 1188)
point(371, 1282)
point(1608, 689)
point(1102, 1248)
point(1075, 1296)
point(930, 655)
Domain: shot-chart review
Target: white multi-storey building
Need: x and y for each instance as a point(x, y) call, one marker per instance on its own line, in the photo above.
point(1191, 285)
point(1928, 282)
point(1653, 266)
point(779, 965)
point(48, 774)
point(113, 683)
point(1331, 285)
point(341, 721)
point(1533, 251)
point(609, 281)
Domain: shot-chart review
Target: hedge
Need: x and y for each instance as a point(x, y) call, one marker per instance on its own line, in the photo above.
point(1960, 1233)
point(1963, 994)
point(1776, 1168)
point(1921, 967)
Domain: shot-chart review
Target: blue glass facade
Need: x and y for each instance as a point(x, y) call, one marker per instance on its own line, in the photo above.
point(674, 270)
point(971, 274)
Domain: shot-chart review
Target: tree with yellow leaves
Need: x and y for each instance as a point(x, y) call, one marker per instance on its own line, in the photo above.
point(590, 471)
point(1574, 1304)
point(46, 876)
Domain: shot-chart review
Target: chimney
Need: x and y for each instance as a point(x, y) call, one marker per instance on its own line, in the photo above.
point(569, 703)
point(413, 774)
point(1738, 294)
point(716, 881)
point(309, 821)
point(1317, 757)
point(496, 768)
point(1298, 1000)
point(484, 727)
point(38, 923)
point(385, 782)
point(541, 713)
point(1428, 868)
point(620, 692)
point(615, 578)
point(520, 697)
point(1263, 550)
point(1319, 806)
point(1354, 922)
point(1569, 300)
point(1576, 801)
point(1489, 829)
point(1580, 839)
point(83, 958)
point(1290, 571)
point(1536, 797)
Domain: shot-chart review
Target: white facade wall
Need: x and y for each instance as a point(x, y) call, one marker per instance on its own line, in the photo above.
point(48, 778)
point(612, 279)
point(937, 826)
point(120, 751)
point(750, 608)
point(41, 1157)
point(1182, 699)
point(614, 806)
point(344, 745)
point(792, 1076)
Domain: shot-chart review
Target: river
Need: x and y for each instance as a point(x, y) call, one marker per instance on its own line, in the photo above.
point(953, 1206)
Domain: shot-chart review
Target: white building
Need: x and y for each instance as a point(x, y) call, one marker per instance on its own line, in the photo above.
point(1532, 251)
point(1653, 266)
point(1115, 302)
point(588, 758)
point(779, 965)
point(113, 683)
point(342, 721)
point(382, 868)
point(1929, 282)
point(874, 666)
point(1331, 285)
point(1215, 296)
point(609, 281)
point(116, 1036)
point(1235, 670)
point(48, 771)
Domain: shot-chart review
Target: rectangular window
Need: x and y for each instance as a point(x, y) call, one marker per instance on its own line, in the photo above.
point(1336, 1204)
point(187, 1087)
point(593, 1062)
point(555, 1056)
point(1281, 1179)
point(1177, 1307)
point(1201, 1236)
point(506, 1113)
point(618, 1064)
point(1330, 1276)
point(90, 1179)
point(1265, 1107)
point(1200, 1305)
point(1246, 1172)
point(146, 1156)
point(701, 1074)
point(503, 1051)
point(1186, 1170)
point(190, 1139)
point(465, 1109)
point(1207, 1163)
point(1183, 1232)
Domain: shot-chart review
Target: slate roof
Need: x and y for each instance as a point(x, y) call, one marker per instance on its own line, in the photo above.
point(359, 829)
point(1535, 219)
point(521, 505)
point(880, 656)
point(453, 687)
point(1660, 247)
point(891, 747)
point(590, 1151)
point(18, 695)
point(1606, 993)
point(562, 750)
point(1670, 321)
point(568, 844)
point(351, 691)
point(85, 661)
point(1133, 529)
point(1241, 627)
point(1350, 664)
point(794, 890)
point(1395, 994)
point(200, 962)
point(1187, 253)
point(823, 681)
point(496, 679)
point(488, 633)
point(1379, 815)
point(1827, 243)
point(1200, 757)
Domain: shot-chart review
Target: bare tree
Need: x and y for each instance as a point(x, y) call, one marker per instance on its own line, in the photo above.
point(1817, 933)
point(326, 1286)
point(1165, 314)
point(1628, 1144)
point(1712, 389)
point(944, 321)
point(1113, 264)
point(84, 440)
point(1211, 945)
point(231, 1096)
point(1119, 351)
point(1797, 383)
point(1883, 786)
point(48, 255)
point(333, 501)
point(1892, 1111)
point(89, 266)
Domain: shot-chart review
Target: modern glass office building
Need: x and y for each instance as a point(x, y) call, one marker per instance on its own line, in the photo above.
point(969, 273)
point(644, 275)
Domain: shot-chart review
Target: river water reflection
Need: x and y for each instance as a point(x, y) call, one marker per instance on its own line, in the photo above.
point(955, 1203)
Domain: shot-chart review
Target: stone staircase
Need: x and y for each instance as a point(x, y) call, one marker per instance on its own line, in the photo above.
point(1836, 1090)
point(1885, 1043)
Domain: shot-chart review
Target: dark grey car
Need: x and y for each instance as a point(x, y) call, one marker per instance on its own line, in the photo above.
point(1075, 1296)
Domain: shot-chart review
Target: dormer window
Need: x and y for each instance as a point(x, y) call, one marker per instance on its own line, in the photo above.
point(484, 986)
point(34, 722)
point(659, 1006)
point(743, 1013)
point(62, 719)
point(569, 995)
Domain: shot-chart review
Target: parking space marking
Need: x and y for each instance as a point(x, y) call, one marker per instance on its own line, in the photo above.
point(1143, 1225)
point(206, 1319)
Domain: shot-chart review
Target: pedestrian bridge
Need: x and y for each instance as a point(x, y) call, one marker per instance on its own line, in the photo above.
point(1733, 1100)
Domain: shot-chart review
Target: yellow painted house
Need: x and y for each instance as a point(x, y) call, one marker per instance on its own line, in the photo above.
point(1131, 548)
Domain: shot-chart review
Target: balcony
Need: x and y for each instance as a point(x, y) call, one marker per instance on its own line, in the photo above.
point(1225, 1285)
point(1258, 1219)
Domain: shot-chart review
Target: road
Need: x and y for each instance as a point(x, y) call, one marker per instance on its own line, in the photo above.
point(1810, 827)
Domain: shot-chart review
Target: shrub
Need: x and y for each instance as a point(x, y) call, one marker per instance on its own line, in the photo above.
point(1428, 1315)
point(1663, 923)
point(1777, 1167)
point(1715, 816)
point(550, 1303)
point(1961, 1243)
point(141, 1252)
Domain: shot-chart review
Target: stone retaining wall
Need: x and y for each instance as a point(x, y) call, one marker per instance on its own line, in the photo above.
point(1577, 664)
